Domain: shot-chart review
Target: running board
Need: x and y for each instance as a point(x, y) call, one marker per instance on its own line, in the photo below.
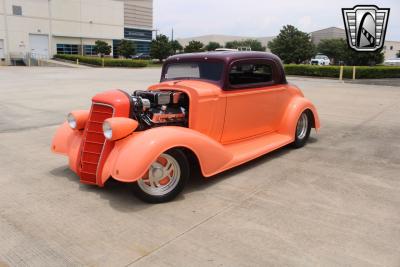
point(247, 150)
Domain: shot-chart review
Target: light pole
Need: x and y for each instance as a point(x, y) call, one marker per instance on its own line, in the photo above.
point(7, 42)
point(156, 31)
point(50, 31)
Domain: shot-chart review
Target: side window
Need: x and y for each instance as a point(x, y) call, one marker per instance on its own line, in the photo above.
point(250, 73)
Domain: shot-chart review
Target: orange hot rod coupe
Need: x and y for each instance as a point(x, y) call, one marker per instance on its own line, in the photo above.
point(214, 109)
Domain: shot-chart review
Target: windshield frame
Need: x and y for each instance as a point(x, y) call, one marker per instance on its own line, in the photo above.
point(218, 82)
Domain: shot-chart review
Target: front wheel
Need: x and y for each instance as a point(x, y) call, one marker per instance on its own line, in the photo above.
point(165, 178)
point(303, 130)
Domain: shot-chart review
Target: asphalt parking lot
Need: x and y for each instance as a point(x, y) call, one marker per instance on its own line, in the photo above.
point(336, 202)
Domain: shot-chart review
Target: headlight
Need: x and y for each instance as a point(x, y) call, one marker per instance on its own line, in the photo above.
point(71, 121)
point(117, 128)
point(77, 119)
point(107, 130)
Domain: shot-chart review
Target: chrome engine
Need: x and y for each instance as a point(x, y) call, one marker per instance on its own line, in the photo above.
point(160, 108)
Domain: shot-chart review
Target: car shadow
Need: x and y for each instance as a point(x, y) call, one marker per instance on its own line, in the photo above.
point(120, 197)
point(312, 140)
point(199, 182)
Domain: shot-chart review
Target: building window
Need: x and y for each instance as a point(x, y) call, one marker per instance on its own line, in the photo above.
point(89, 50)
point(391, 47)
point(142, 47)
point(67, 49)
point(17, 10)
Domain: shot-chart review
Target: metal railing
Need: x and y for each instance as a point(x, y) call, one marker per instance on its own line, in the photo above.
point(27, 59)
point(35, 59)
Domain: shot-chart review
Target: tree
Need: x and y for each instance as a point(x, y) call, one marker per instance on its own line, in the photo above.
point(339, 50)
point(254, 44)
point(194, 46)
point(176, 47)
point(292, 45)
point(160, 48)
point(355, 58)
point(126, 48)
point(212, 46)
point(333, 48)
point(102, 48)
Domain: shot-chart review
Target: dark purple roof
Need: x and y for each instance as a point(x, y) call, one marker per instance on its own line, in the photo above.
point(226, 56)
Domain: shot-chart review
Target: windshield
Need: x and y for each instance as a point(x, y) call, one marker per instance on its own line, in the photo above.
point(194, 70)
point(320, 57)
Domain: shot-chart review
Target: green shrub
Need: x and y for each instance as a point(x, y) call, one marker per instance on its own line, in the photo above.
point(377, 72)
point(108, 62)
point(362, 72)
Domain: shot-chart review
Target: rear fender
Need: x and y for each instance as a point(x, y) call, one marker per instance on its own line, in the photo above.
point(131, 157)
point(67, 141)
point(292, 114)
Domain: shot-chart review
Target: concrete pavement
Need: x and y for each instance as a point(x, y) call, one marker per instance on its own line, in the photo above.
point(382, 82)
point(335, 202)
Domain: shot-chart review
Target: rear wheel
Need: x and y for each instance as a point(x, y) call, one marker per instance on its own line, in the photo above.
point(165, 178)
point(303, 130)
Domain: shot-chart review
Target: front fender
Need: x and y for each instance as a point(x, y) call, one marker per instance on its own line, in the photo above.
point(292, 114)
point(132, 156)
point(67, 142)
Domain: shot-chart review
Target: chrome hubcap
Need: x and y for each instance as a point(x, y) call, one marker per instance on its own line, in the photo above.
point(162, 177)
point(302, 126)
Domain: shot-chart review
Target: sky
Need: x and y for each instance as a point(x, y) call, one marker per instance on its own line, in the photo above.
point(259, 18)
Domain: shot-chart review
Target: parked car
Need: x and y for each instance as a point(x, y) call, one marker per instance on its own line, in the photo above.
point(321, 60)
point(141, 56)
point(215, 110)
point(392, 62)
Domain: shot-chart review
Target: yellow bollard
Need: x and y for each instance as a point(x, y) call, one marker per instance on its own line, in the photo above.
point(341, 73)
point(354, 72)
point(102, 62)
point(77, 61)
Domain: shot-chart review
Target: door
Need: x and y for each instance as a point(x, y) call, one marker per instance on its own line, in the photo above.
point(39, 46)
point(253, 112)
point(1, 48)
point(257, 106)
